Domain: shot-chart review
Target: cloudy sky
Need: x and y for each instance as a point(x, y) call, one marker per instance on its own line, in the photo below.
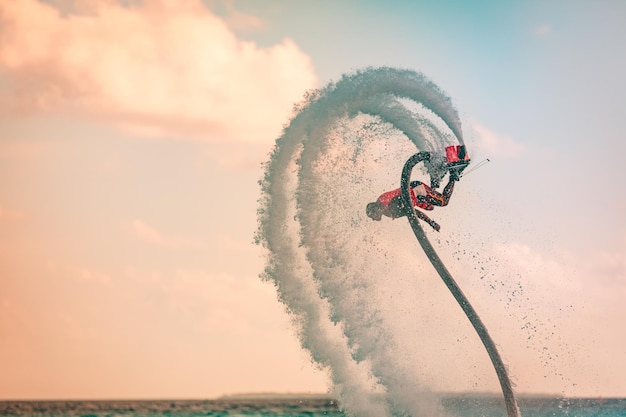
point(131, 140)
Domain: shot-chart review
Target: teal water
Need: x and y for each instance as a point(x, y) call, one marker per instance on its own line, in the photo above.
point(475, 406)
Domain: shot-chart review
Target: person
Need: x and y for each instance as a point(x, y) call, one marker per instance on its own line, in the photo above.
point(390, 204)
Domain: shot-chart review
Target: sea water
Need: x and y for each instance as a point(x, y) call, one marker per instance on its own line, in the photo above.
point(453, 406)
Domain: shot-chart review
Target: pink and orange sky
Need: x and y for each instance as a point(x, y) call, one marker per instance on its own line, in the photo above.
point(131, 140)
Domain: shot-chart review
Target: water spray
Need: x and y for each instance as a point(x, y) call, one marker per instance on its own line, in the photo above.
point(322, 268)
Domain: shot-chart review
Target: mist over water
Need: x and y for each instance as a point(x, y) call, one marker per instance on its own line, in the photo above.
point(342, 277)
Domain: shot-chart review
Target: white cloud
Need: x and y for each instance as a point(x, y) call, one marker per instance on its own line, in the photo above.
point(90, 275)
point(9, 214)
point(13, 148)
point(238, 20)
point(155, 67)
point(80, 273)
point(496, 145)
point(562, 309)
point(566, 275)
point(226, 303)
point(543, 30)
point(152, 236)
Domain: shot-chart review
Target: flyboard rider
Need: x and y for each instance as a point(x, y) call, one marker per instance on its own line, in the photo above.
point(424, 197)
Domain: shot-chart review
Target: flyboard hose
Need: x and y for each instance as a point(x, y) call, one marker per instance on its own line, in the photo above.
point(507, 389)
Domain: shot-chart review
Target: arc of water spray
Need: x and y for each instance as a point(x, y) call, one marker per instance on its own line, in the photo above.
point(509, 396)
point(305, 270)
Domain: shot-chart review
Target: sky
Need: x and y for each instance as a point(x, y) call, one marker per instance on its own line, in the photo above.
point(132, 137)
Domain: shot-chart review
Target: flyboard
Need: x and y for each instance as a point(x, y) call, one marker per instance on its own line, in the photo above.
point(509, 396)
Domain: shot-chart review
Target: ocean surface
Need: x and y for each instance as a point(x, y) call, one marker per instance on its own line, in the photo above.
point(474, 406)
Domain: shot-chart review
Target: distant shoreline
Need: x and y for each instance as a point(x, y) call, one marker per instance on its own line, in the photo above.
point(277, 395)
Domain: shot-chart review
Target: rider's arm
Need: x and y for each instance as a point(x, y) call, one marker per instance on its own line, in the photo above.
point(447, 191)
point(438, 199)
